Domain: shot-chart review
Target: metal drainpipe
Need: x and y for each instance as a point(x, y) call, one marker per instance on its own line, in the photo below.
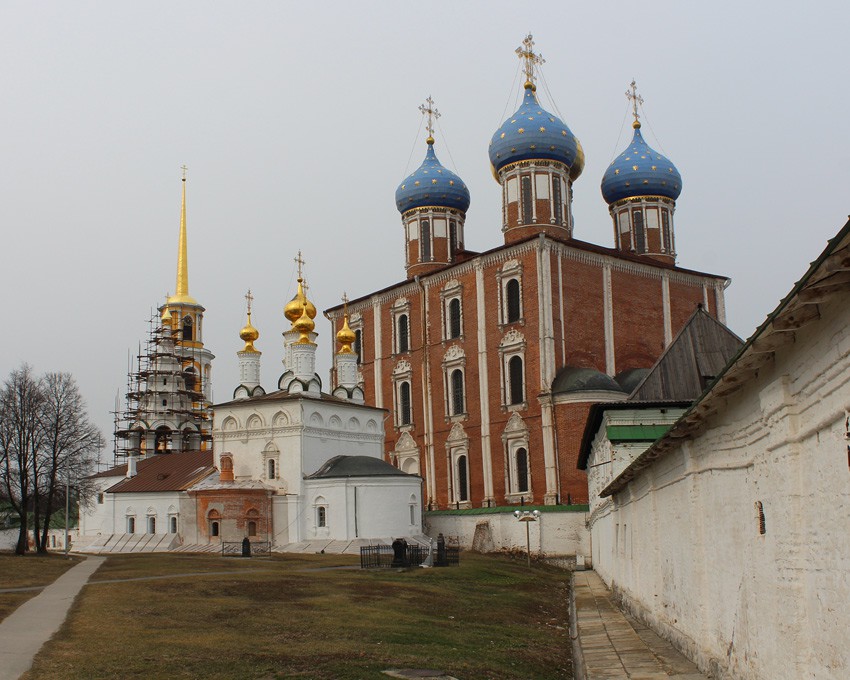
point(557, 452)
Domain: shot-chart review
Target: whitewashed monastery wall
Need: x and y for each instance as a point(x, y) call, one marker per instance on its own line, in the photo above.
point(553, 534)
point(685, 550)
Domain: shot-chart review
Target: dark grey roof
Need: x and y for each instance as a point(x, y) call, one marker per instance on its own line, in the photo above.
point(630, 378)
point(693, 359)
point(356, 466)
point(574, 379)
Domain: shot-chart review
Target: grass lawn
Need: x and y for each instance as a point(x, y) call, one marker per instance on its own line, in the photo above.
point(291, 617)
point(23, 571)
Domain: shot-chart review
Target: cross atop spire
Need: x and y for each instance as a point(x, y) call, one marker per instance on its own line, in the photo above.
point(184, 168)
point(250, 299)
point(300, 262)
point(532, 60)
point(428, 109)
point(345, 303)
point(635, 99)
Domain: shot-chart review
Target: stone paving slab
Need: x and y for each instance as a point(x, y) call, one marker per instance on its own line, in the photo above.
point(615, 645)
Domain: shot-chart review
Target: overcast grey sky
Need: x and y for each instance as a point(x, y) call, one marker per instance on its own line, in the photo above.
point(297, 122)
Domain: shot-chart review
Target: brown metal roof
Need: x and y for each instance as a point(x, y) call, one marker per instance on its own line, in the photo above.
point(167, 472)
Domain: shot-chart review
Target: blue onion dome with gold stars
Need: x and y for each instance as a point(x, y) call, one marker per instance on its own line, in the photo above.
point(432, 184)
point(640, 171)
point(534, 133)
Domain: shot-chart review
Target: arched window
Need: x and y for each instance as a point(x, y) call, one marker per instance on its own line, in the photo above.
point(452, 239)
point(214, 519)
point(527, 212)
point(454, 318)
point(521, 470)
point(271, 468)
point(404, 414)
point(515, 378)
point(665, 230)
point(151, 525)
point(556, 199)
point(402, 333)
point(637, 222)
point(131, 525)
point(187, 327)
point(252, 528)
point(425, 241)
point(514, 309)
point(321, 516)
point(358, 344)
point(462, 479)
point(190, 378)
point(457, 391)
point(173, 525)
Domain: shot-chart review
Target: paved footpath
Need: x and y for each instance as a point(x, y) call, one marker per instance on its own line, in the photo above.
point(614, 645)
point(26, 629)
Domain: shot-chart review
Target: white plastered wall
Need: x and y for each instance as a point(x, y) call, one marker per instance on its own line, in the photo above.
point(684, 548)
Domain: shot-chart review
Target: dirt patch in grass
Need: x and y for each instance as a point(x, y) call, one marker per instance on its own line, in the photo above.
point(281, 618)
point(28, 571)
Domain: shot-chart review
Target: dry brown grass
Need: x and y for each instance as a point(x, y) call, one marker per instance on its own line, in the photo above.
point(26, 571)
point(283, 618)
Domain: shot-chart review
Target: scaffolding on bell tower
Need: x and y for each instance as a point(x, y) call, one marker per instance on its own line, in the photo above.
point(165, 408)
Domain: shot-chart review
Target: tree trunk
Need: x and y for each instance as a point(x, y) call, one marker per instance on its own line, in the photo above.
point(21, 547)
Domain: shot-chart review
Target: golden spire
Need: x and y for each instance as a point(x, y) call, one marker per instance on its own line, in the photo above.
point(635, 99)
point(428, 109)
point(249, 334)
point(526, 53)
point(182, 292)
point(345, 337)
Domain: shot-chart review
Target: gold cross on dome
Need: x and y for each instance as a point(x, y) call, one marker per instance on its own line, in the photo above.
point(635, 99)
point(526, 53)
point(250, 299)
point(428, 109)
point(300, 262)
point(184, 168)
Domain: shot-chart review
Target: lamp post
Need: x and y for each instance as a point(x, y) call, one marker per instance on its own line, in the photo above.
point(67, 509)
point(526, 516)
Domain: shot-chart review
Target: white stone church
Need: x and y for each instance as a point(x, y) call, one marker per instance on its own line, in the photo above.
point(296, 468)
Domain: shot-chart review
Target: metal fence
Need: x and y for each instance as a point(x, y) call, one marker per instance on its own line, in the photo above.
point(234, 549)
point(383, 556)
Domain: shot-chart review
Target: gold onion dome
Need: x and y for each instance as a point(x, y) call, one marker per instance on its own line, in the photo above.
point(304, 325)
point(249, 335)
point(345, 337)
point(299, 304)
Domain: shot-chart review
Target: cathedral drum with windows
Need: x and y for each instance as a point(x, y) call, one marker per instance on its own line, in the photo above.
point(489, 361)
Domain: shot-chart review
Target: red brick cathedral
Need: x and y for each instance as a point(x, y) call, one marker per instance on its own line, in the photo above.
point(488, 362)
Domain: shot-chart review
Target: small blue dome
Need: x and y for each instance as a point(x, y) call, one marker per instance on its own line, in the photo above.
point(534, 133)
point(432, 184)
point(640, 171)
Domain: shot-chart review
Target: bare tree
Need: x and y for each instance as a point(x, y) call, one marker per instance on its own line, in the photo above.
point(46, 440)
point(21, 400)
point(70, 445)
